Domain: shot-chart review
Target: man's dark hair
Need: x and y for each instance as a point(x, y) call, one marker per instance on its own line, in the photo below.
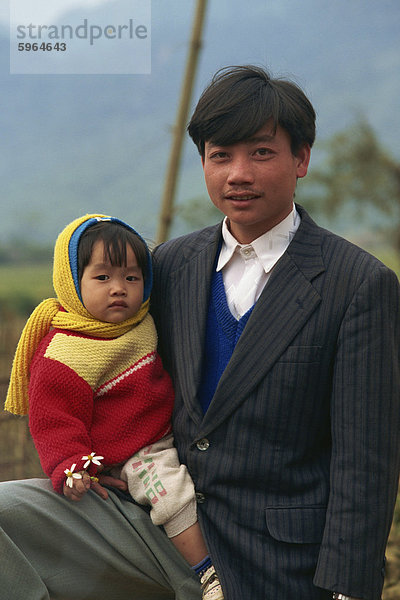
point(115, 237)
point(240, 100)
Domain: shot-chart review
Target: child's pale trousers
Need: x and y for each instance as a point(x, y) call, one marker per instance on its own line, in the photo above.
point(156, 478)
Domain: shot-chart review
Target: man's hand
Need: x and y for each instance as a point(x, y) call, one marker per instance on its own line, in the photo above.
point(107, 480)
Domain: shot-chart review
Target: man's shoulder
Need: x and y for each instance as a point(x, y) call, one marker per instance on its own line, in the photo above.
point(334, 248)
point(200, 236)
point(340, 250)
point(184, 247)
point(318, 251)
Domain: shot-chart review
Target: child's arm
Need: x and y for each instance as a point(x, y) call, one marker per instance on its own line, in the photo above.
point(60, 416)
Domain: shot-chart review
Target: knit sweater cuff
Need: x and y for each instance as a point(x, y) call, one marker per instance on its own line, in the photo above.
point(74, 464)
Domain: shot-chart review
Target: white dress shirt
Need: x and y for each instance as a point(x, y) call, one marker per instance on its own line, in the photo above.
point(246, 268)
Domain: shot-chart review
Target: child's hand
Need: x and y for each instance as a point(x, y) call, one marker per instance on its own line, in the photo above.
point(79, 487)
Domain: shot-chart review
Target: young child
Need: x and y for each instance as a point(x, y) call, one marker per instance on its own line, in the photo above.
point(87, 371)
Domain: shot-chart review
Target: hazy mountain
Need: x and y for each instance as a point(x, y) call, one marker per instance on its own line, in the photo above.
point(74, 144)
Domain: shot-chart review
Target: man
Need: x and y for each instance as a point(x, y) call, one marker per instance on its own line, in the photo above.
point(283, 343)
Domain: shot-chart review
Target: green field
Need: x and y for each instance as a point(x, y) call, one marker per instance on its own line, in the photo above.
point(23, 287)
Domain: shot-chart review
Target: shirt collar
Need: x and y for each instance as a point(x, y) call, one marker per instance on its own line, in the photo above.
point(269, 247)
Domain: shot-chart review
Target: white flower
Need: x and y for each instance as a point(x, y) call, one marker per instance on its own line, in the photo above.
point(92, 458)
point(71, 475)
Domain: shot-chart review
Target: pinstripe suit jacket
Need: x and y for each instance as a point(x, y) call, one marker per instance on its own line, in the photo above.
point(296, 461)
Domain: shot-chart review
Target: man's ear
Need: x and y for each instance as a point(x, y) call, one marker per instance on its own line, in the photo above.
point(303, 156)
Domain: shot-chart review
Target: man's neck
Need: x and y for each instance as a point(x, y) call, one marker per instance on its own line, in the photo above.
point(246, 234)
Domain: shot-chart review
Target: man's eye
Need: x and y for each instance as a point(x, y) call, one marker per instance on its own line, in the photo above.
point(218, 155)
point(263, 151)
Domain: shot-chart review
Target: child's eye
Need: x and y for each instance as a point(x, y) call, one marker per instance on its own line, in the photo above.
point(102, 277)
point(131, 278)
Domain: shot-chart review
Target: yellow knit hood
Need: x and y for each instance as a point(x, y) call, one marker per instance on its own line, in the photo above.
point(74, 317)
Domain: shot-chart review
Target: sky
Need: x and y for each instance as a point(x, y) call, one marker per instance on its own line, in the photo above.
point(87, 139)
point(45, 10)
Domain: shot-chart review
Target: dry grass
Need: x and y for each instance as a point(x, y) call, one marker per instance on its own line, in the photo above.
point(18, 457)
point(392, 581)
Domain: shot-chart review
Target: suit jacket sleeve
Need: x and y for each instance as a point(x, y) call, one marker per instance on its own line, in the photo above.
point(365, 411)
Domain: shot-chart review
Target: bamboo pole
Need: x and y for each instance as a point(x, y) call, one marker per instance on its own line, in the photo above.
point(166, 213)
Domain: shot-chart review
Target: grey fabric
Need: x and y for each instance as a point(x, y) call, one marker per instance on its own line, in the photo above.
point(91, 550)
point(298, 477)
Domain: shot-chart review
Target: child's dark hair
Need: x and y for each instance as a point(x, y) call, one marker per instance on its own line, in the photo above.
point(115, 238)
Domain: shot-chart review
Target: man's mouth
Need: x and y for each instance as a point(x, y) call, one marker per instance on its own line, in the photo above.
point(241, 196)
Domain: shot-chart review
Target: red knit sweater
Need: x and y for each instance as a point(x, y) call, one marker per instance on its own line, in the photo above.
point(111, 397)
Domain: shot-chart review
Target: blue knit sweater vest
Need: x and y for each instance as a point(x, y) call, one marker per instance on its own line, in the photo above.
point(222, 334)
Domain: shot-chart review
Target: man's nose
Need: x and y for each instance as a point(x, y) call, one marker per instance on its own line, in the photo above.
point(240, 171)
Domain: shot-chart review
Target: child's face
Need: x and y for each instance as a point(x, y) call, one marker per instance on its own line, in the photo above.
point(110, 293)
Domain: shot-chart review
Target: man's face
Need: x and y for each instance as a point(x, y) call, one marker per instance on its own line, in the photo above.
point(253, 182)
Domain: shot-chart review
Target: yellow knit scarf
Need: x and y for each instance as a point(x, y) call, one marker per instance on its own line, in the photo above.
point(48, 314)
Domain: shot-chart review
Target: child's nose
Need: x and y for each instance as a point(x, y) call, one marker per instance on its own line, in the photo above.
point(118, 288)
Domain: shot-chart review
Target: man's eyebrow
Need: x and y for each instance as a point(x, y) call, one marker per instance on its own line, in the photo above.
point(254, 139)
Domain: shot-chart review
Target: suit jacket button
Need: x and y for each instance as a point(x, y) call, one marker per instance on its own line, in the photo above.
point(200, 498)
point(203, 444)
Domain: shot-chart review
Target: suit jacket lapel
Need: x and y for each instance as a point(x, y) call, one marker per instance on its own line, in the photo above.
point(192, 285)
point(285, 305)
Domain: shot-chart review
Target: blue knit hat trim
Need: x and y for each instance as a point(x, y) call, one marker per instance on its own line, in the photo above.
point(73, 253)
